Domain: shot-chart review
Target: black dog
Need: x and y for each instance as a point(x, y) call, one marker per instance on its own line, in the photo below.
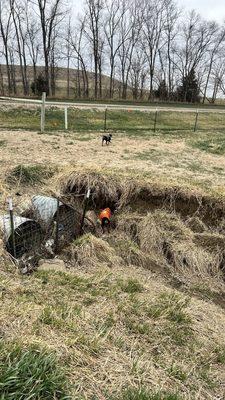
point(107, 139)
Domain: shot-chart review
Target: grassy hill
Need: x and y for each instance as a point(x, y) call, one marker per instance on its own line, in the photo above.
point(61, 81)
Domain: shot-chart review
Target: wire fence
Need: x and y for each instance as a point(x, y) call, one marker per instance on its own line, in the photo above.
point(46, 116)
point(43, 229)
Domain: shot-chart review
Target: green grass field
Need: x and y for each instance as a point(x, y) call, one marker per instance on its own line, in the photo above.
point(117, 120)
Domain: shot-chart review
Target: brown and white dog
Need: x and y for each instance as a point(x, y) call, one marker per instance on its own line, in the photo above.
point(107, 139)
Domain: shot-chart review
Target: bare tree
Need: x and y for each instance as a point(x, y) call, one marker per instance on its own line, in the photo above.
point(170, 31)
point(130, 27)
point(114, 14)
point(33, 46)
point(18, 16)
point(154, 20)
point(196, 36)
point(218, 78)
point(78, 46)
point(51, 15)
point(94, 34)
point(218, 38)
point(138, 73)
point(5, 28)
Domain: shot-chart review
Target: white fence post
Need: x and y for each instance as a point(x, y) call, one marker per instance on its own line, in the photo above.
point(43, 112)
point(66, 118)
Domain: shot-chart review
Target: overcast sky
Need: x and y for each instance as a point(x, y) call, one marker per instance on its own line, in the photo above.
point(210, 9)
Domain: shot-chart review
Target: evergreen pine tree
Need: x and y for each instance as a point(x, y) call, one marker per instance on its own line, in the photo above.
point(39, 85)
point(189, 90)
point(162, 91)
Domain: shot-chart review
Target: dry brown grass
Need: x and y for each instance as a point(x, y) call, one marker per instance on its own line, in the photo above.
point(119, 328)
point(170, 160)
point(196, 224)
point(176, 246)
point(90, 251)
point(119, 190)
point(105, 190)
point(114, 317)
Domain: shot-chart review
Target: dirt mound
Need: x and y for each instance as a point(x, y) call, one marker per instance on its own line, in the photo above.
point(141, 196)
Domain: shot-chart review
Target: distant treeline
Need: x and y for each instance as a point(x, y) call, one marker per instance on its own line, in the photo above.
point(144, 49)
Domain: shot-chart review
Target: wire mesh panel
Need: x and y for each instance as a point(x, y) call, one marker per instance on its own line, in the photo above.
point(60, 222)
point(47, 225)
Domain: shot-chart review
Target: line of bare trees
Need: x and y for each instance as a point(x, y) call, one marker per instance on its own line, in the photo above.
point(118, 48)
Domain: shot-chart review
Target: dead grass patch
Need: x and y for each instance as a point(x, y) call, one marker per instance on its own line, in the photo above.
point(119, 190)
point(125, 325)
point(105, 190)
point(89, 251)
point(213, 242)
point(196, 224)
point(176, 246)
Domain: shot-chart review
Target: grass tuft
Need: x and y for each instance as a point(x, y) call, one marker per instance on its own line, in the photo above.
point(3, 143)
point(172, 307)
point(30, 174)
point(220, 355)
point(131, 286)
point(30, 373)
point(144, 394)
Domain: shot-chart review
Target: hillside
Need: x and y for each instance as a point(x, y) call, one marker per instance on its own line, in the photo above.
point(61, 80)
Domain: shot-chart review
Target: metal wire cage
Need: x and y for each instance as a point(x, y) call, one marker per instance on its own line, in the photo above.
point(46, 226)
point(60, 221)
